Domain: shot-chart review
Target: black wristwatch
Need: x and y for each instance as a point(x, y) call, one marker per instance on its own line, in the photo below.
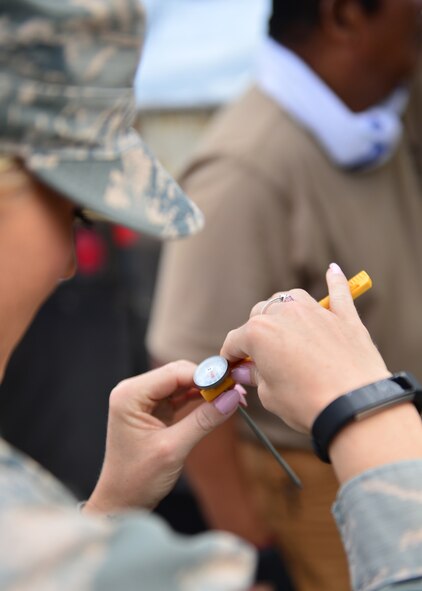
point(361, 403)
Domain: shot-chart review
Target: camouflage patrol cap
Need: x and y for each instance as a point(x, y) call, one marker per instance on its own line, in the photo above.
point(66, 109)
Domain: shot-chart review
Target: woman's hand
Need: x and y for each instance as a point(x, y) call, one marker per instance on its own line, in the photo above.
point(305, 356)
point(144, 456)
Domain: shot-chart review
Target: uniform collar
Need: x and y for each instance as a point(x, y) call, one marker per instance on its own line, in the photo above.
point(351, 140)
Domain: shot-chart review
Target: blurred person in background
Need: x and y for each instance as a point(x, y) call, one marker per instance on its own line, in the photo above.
point(318, 161)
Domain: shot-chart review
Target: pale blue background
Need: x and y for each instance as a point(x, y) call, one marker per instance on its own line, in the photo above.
point(198, 52)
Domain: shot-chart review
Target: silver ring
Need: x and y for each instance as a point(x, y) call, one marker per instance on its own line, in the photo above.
point(278, 299)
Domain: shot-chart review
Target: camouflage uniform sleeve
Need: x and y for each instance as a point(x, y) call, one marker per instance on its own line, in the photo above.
point(144, 553)
point(47, 545)
point(56, 548)
point(379, 515)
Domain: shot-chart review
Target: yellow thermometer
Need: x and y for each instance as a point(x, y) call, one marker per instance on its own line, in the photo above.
point(212, 376)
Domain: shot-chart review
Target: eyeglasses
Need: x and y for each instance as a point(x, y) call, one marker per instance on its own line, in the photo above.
point(86, 218)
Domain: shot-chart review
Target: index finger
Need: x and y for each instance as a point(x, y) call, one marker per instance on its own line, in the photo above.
point(149, 388)
point(236, 346)
point(341, 300)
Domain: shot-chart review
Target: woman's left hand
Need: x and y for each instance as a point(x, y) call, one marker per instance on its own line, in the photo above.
point(144, 455)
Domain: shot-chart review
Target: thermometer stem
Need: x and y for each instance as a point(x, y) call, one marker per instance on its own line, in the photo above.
point(264, 439)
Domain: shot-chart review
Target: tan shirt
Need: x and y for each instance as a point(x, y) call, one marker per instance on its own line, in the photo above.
point(277, 213)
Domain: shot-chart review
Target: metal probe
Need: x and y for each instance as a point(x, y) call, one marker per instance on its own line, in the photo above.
point(267, 443)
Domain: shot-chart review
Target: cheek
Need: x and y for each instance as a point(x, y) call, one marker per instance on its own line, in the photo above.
point(407, 41)
point(63, 259)
point(71, 265)
point(394, 44)
point(55, 255)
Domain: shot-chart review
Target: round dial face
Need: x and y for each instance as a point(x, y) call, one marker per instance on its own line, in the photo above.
point(211, 372)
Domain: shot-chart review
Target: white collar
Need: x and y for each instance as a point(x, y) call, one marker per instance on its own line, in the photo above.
point(351, 140)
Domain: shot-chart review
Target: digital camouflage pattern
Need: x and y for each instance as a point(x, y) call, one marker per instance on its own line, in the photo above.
point(379, 515)
point(66, 108)
point(47, 545)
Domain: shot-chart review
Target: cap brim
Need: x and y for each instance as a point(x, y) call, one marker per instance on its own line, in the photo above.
point(131, 189)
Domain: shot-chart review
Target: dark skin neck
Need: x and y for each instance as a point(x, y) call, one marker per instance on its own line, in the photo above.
point(340, 70)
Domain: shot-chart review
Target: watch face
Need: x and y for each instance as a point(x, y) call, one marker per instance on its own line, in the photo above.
point(211, 372)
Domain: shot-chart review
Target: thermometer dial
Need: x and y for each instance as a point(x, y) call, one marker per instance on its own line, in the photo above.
point(211, 372)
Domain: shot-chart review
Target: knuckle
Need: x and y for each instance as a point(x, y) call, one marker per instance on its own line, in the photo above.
point(172, 367)
point(258, 327)
point(266, 399)
point(204, 421)
point(117, 394)
point(175, 368)
point(253, 325)
point(299, 293)
point(230, 335)
point(165, 452)
point(356, 325)
point(339, 295)
point(256, 309)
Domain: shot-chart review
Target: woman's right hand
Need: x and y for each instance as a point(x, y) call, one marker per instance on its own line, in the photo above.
point(305, 356)
point(145, 450)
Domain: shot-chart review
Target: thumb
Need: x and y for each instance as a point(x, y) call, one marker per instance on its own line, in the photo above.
point(203, 419)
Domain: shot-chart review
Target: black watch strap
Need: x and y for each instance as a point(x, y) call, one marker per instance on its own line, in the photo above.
point(358, 404)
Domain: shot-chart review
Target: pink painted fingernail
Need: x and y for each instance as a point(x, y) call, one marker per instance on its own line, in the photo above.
point(336, 269)
point(227, 402)
point(242, 393)
point(242, 374)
